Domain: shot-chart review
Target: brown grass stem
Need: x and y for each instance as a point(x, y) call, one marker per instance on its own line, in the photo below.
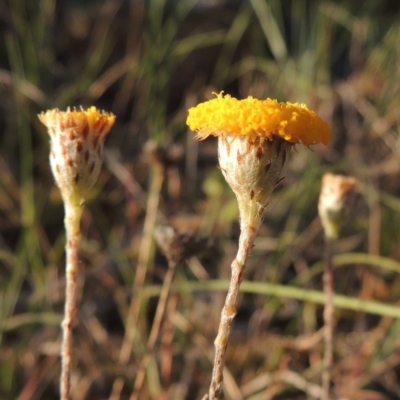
point(329, 290)
point(72, 220)
point(246, 240)
point(155, 329)
point(140, 276)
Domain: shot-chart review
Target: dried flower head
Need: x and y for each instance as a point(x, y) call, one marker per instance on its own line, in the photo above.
point(337, 192)
point(253, 118)
point(77, 139)
point(178, 246)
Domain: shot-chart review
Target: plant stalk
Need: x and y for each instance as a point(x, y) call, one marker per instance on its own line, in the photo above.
point(246, 241)
point(72, 219)
point(329, 323)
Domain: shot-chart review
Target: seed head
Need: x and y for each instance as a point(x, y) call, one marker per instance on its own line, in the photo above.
point(76, 154)
point(179, 246)
point(337, 193)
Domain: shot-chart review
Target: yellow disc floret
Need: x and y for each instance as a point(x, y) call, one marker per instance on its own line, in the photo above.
point(226, 115)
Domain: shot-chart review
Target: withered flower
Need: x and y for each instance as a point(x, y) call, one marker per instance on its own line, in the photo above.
point(337, 191)
point(76, 155)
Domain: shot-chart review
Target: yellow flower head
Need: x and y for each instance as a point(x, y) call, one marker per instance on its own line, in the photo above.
point(226, 115)
point(77, 139)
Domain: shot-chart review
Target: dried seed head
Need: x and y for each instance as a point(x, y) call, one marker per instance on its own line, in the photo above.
point(337, 193)
point(161, 155)
point(177, 246)
point(252, 168)
point(76, 140)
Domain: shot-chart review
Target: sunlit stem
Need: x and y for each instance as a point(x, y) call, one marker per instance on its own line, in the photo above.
point(250, 214)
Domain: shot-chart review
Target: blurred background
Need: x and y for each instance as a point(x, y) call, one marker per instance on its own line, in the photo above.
point(148, 62)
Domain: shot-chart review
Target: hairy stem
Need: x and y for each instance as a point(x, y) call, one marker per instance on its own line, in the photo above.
point(246, 240)
point(72, 220)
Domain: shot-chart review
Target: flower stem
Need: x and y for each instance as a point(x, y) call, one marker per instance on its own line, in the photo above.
point(329, 291)
point(72, 219)
point(246, 240)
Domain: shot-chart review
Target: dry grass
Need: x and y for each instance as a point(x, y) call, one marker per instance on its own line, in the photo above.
point(148, 64)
